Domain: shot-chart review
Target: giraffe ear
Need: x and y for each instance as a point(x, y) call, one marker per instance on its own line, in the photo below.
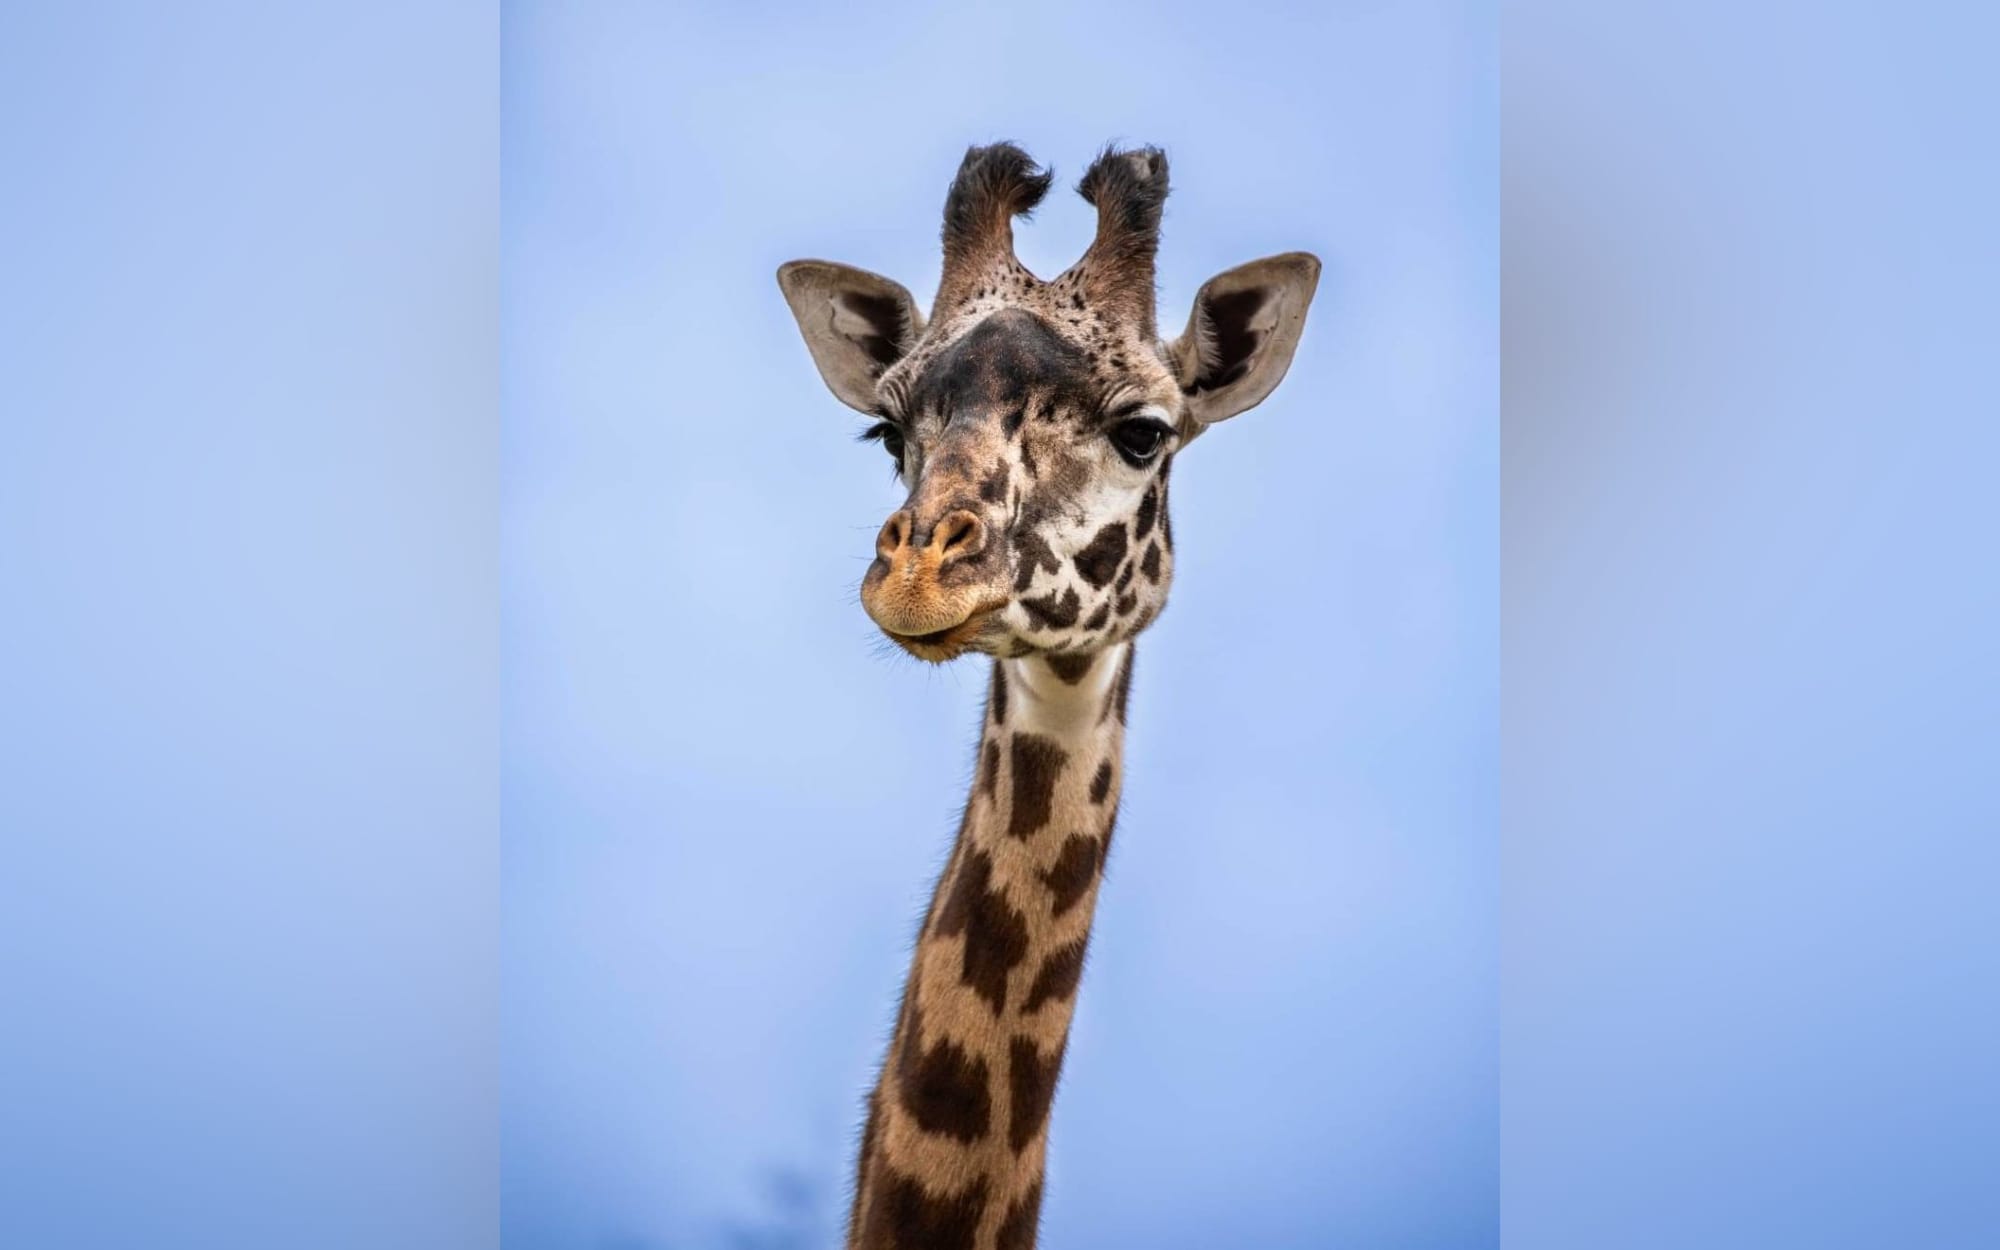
point(855, 323)
point(1242, 333)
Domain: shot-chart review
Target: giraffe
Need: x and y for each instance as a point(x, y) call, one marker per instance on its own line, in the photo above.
point(1034, 425)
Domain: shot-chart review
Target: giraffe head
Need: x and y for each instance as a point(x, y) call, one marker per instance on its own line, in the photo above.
point(1035, 423)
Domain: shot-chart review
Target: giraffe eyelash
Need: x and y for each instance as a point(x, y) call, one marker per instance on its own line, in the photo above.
point(890, 435)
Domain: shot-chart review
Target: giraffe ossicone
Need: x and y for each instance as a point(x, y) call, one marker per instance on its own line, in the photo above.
point(1034, 425)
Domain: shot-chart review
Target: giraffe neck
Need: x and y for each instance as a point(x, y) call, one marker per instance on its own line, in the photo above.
point(952, 1155)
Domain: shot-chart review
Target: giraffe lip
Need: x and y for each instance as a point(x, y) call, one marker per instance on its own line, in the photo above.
point(933, 637)
point(940, 645)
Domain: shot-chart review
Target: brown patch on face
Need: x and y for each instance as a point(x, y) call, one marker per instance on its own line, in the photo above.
point(1071, 668)
point(1150, 566)
point(1098, 562)
point(1034, 555)
point(996, 937)
point(1149, 511)
point(1054, 611)
point(1031, 1086)
point(1017, 1231)
point(944, 1088)
point(1037, 763)
point(1099, 618)
point(1007, 360)
point(1075, 868)
point(1057, 979)
point(1100, 785)
point(993, 487)
point(907, 1216)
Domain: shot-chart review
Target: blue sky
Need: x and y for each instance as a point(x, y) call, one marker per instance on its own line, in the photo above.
point(723, 804)
point(251, 674)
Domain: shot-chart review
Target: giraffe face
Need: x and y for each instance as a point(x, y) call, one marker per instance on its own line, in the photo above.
point(1034, 424)
point(1035, 449)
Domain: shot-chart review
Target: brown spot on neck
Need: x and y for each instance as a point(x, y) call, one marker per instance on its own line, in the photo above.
point(1031, 1086)
point(996, 936)
point(1017, 1231)
point(1073, 872)
point(1037, 765)
point(904, 1214)
point(944, 1088)
point(1056, 980)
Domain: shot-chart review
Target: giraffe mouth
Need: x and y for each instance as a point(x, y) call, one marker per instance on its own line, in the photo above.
point(941, 645)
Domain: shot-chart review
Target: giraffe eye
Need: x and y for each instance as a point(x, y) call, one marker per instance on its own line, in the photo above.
point(889, 435)
point(1139, 439)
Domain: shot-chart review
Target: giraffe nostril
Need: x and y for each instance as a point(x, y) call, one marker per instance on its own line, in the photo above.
point(895, 533)
point(959, 536)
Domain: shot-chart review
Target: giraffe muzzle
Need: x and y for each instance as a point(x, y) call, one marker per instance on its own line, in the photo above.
point(930, 588)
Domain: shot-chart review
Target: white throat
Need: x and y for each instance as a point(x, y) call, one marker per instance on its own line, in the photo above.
point(1062, 709)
